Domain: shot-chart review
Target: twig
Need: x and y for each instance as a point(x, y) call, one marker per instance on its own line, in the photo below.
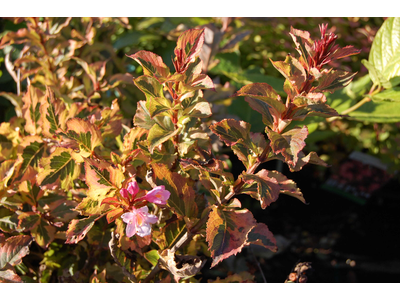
point(112, 245)
point(257, 263)
point(351, 109)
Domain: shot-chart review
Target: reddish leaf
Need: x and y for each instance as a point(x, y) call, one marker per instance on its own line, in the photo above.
point(293, 72)
point(77, 229)
point(312, 158)
point(333, 80)
point(289, 143)
point(31, 109)
point(261, 187)
point(8, 275)
point(227, 232)
point(111, 120)
point(231, 131)
point(287, 186)
point(187, 48)
point(28, 221)
point(13, 249)
point(260, 235)
point(142, 117)
point(263, 92)
point(102, 178)
point(114, 214)
point(151, 63)
point(87, 135)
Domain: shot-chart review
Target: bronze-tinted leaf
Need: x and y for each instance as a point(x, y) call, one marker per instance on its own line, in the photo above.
point(13, 249)
point(227, 232)
point(262, 187)
point(289, 144)
point(151, 63)
point(182, 199)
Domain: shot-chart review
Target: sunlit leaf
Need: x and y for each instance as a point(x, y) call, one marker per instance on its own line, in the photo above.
point(77, 229)
point(43, 233)
point(59, 165)
point(262, 187)
point(152, 64)
point(227, 232)
point(182, 195)
point(13, 249)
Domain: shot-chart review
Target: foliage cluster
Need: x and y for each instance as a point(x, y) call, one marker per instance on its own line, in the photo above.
point(105, 200)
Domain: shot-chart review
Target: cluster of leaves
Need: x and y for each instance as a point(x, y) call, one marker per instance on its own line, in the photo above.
point(372, 103)
point(67, 167)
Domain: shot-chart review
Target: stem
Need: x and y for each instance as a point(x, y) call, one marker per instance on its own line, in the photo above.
point(112, 245)
point(353, 108)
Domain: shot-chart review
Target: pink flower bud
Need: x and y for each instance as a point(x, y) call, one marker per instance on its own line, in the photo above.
point(138, 221)
point(158, 195)
point(133, 189)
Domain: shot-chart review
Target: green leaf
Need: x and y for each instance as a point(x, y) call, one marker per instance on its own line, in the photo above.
point(28, 221)
point(378, 112)
point(158, 105)
point(231, 131)
point(392, 95)
point(261, 186)
point(150, 86)
point(142, 117)
point(77, 229)
point(43, 233)
point(174, 231)
point(227, 232)
point(376, 75)
point(385, 51)
point(182, 199)
point(13, 249)
point(152, 256)
point(87, 135)
point(158, 135)
point(59, 165)
point(263, 92)
point(53, 113)
point(31, 155)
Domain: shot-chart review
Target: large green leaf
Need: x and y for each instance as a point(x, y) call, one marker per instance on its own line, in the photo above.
point(158, 135)
point(392, 95)
point(385, 51)
point(378, 112)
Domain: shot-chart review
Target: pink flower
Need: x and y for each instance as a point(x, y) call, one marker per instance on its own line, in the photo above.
point(158, 195)
point(138, 221)
point(133, 189)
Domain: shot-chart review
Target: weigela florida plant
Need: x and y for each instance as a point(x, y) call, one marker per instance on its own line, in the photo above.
point(165, 191)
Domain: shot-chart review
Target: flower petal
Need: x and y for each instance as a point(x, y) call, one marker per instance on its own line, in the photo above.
point(131, 230)
point(124, 193)
point(133, 188)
